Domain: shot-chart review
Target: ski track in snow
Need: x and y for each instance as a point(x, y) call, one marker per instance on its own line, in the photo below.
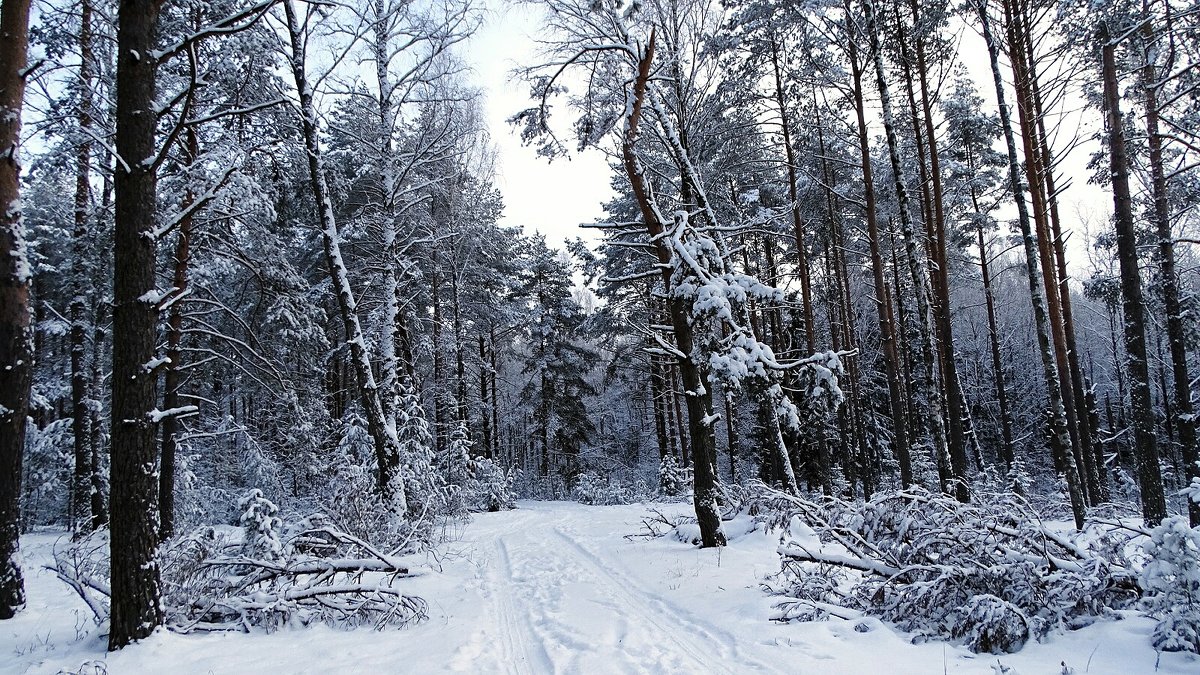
point(523, 653)
point(561, 610)
point(555, 588)
point(698, 636)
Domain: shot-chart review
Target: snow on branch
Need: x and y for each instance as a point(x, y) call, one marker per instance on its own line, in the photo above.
point(990, 574)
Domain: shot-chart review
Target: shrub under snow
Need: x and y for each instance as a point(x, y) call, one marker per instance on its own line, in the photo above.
point(1171, 579)
point(264, 575)
point(988, 574)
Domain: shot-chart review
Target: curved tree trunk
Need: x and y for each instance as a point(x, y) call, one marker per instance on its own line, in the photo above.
point(383, 434)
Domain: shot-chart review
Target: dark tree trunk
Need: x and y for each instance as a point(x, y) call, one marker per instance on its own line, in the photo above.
point(1185, 425)
point(883, 301)
point(1035, 173)
point(81, 288)
point(1154, 504)
point(134, 454)
point(494, 375)
point(485, 403)
point(441, 419)
point(173, 375)
point(95, 434)
point(1092, 461)
point(1005, 451)
point(1060, 440)
point(962, 436)
point(699, 399)
point(929, 398)
point(797, 219)
point(16, 333)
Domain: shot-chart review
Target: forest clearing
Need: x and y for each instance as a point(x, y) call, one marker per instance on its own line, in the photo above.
point(588, 336)
point(556, 587)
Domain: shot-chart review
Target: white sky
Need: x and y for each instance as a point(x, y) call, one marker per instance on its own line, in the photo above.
point(551, 198)
point(554, 198)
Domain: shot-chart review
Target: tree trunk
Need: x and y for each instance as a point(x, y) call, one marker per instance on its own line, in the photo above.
point(16, 333)
point(797, 219)
point(1176, 329)
point(485, 403)
point(173, 376)
point(494, 374)
point(1060, 441)
point(393, 321)
point(134, 454)
point(962, 437)
point(383, 434)
point(883, 300)
point(1035, 173)
point(1154, 504)
point(1093, 462)
point(81, 287)
point(699, 401)
point(1005, 451)
point(929, 401)
point(95, 433)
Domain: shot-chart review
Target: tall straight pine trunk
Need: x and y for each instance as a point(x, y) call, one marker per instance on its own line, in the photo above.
point(929, 398)
point(134, 453)
point(16, 333)
point(82, 518)
point(1154, 504)
point(1185, 425)
point(883, 300)
point(1060, 440)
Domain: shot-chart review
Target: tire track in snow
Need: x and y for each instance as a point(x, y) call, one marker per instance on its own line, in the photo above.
point(670, 619)
point(524, 652)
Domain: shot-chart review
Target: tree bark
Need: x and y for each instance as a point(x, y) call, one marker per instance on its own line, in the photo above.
point(1060, 441)
point(797, 219)
point(698, 398)
point(16, 332)
point(81, 287)
point(962, 435)
point(134, 454)
point(883, 300)
point(1092, 457)
point(1005, 451)
point(929, 402)
point(1185, 424)
point(383, 434)
point(173, 375)
point(1035, 173)
point(1154, 504)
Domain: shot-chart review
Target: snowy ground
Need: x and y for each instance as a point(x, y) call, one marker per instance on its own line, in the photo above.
point(556, 588)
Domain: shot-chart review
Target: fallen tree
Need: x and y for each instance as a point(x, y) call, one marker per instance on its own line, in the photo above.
point(257, 578)
point(990, 575)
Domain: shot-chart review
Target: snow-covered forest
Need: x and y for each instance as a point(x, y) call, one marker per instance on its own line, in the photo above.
point(881, 359)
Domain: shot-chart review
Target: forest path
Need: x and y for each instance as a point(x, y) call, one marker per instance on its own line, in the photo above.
point(556, 588)
point(563, 605)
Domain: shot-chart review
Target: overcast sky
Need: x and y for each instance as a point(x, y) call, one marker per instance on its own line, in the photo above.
point(551, 198)
point(554, 198)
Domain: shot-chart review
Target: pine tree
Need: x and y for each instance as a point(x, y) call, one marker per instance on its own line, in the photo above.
point(16, 337)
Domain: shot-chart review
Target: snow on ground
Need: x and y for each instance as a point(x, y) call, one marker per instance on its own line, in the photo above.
point(554, 587)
